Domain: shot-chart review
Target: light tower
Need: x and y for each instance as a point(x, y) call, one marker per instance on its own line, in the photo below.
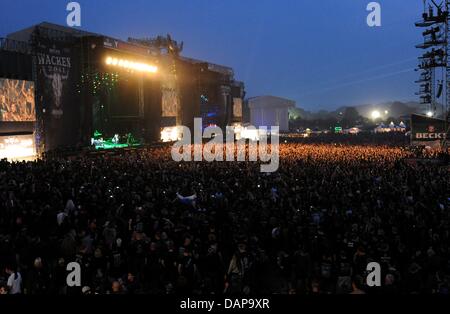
point(434, 63)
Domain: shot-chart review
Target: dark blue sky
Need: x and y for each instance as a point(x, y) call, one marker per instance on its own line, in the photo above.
point(320, 53)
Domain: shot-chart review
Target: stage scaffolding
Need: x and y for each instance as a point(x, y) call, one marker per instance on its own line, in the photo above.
point(434, 81)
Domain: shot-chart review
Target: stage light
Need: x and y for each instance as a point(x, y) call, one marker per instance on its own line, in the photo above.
point(171, 134)
point(251, 134)
point(375, 114)
point(430, 114)
point(131, 65)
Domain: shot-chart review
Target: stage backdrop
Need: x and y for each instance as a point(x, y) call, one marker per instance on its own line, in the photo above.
point(170, 96)
point(237, 108)
point(427, 131)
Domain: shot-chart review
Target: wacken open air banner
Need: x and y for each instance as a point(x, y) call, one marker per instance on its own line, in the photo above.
point(54, 68)
point(57, 102)
point(427, 131)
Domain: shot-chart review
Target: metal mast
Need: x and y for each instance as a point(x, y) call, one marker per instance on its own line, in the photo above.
point(447, 71)
point(434, 63)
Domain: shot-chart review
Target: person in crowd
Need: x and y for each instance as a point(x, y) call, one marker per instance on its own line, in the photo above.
point(14, 283)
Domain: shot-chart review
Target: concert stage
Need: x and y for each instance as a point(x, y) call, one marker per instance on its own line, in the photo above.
point(87, 82)
point(116, 142)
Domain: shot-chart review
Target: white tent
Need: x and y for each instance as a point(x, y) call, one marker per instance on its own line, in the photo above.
point(270, 111)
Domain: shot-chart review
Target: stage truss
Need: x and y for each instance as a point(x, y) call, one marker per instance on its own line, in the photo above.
point(434, 65)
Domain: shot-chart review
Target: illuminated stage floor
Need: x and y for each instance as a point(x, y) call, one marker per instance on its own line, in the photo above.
point(114, 143)
point(108, 146)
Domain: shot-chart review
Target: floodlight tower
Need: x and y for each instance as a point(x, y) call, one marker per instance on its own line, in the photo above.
point(447, 69)
point(434, 66)
point(447, 72)
point(434, 20)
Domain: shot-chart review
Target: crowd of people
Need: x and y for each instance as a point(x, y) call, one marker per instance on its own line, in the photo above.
point(17, 101)
point(139, 223)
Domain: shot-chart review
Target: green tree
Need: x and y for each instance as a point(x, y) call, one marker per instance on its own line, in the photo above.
point(350, 117)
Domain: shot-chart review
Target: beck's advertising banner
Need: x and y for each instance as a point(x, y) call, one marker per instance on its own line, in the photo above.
point(428, 131)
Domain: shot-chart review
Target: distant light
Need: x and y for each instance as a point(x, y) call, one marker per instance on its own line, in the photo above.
point(386, 112)
point(430, 114)
point(250, 133)
point(131, 65)
point(171, 134)
point(375, 114)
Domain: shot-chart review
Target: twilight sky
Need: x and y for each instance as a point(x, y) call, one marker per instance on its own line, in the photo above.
point(321, 54)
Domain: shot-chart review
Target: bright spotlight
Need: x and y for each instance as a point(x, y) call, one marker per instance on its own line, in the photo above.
point(131, 65)
point(171, 134)
point(430, 114)
point(375, 114)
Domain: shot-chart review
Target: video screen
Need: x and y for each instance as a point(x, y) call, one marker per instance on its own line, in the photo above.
point(17, 147)
point(17, 102)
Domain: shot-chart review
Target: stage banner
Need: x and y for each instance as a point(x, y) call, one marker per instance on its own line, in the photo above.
point(58, 101)
point(427, 131)
point(170, 96)
point(237, 107)
point(17, 102)
point(54, 70)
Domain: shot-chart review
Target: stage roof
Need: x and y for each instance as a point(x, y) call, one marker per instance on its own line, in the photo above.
point(58, 31)
point(25, 34)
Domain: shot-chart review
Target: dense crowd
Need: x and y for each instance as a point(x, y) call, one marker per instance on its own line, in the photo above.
point(138, 222)
point(392, 139)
